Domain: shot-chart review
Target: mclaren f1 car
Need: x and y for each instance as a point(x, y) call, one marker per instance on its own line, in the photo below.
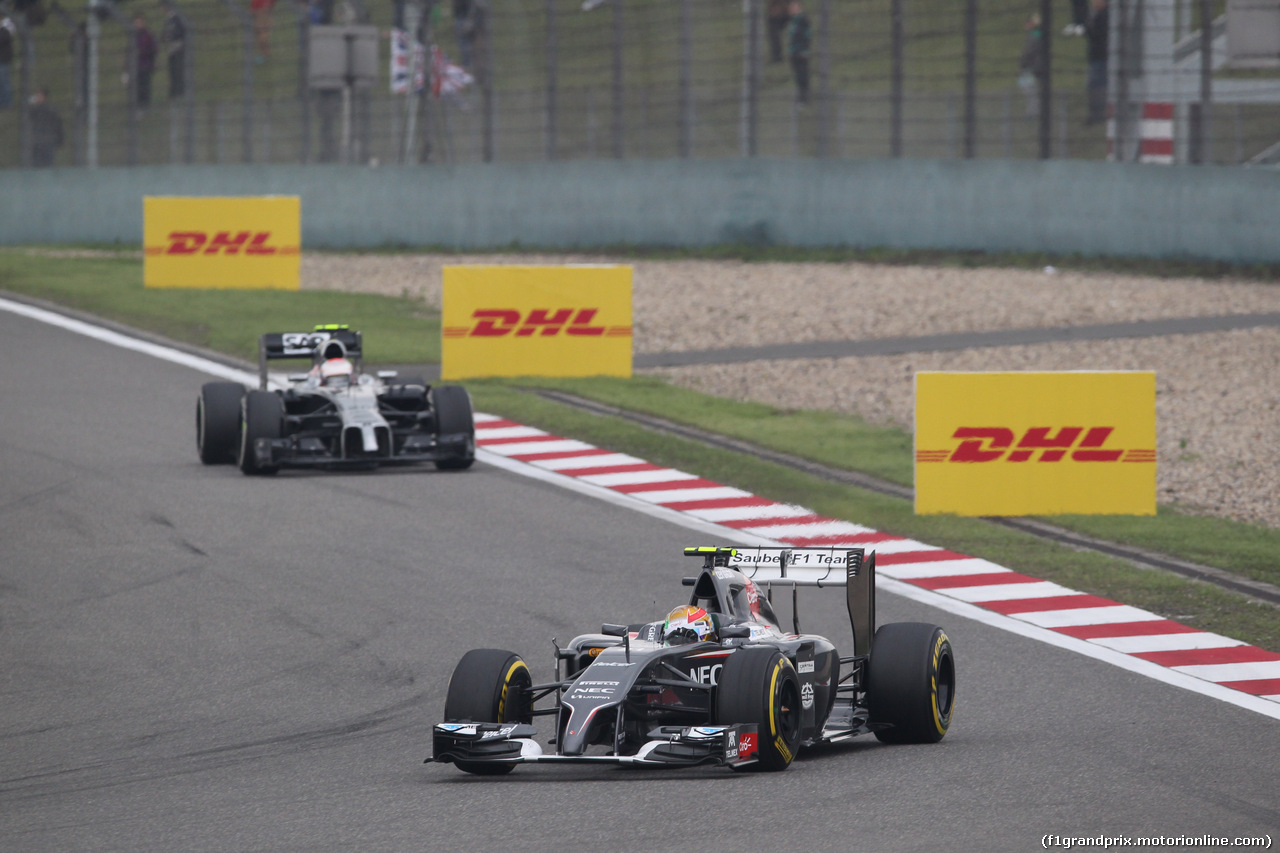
point(333, 416)
point(719, 682)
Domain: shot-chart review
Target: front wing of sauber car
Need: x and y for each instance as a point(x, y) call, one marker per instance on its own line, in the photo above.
point(514, 743)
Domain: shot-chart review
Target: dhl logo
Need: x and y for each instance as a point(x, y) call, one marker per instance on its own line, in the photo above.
point(991, 444)
point(546, 322)
point(221, 242)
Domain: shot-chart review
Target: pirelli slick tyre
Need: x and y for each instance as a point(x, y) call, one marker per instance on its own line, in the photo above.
point(758, 685)
point(452, 405)
point(489, 686)
point(911, 683)
point(218, 422)
point(262, 417)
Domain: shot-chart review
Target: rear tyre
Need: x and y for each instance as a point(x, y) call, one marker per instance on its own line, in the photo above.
point(452, 405)
point(759, 685)
point(489, 686)
point(263, 413)
point(911, 682)
point(218, 422)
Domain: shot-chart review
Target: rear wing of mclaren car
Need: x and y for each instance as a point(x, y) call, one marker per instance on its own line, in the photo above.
point(851, 568)
point(333, 340)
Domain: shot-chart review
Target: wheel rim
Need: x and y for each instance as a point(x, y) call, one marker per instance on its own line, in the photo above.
point(789, 711)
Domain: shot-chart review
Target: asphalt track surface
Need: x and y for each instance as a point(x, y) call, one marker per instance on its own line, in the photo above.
point(195, 660)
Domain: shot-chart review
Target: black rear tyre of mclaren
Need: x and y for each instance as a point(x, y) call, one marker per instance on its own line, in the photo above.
point(263, 415)
point(759, 685)
point(489, 686)
point(911, 682)
point(454, 416)
point(218, 422)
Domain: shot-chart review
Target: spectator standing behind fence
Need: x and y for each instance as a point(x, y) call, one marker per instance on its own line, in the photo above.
point(779, 15)
point(1097, 43)
point(1079, 18)
point(174, 38)
point(1032, 69)
point(261, 10)
point(46, 129)
point(465, 26)
point(7, 31)
point(799, 43)
point(144, 45)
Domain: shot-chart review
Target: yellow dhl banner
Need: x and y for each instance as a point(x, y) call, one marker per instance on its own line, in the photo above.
point(536, 321)
point(1036, 443)
point(222, 242)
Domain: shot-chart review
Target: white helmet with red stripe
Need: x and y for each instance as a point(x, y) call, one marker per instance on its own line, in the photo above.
point(688, 624)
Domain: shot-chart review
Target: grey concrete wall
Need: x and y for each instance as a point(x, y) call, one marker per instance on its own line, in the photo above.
point(1218, 213)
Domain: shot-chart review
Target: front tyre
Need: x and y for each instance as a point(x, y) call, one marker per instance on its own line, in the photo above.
point(758, 685)
point(218, 422)
point(454, 421)
point(263, 416)
point(911, 682)
point(489, 686)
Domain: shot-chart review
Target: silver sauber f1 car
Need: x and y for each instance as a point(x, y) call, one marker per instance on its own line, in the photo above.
point(335, 415)
point(719, 681)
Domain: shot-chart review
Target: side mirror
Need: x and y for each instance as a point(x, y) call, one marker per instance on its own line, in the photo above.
point(298, 377)
point(614, 630)
point(735, 632)
point(386, 374)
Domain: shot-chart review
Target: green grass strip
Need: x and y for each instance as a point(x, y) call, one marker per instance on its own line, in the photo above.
point(397, 330)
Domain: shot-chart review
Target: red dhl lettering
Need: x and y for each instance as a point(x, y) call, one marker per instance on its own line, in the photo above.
point(220, 242)
point(1041, 444)
point(540, 322)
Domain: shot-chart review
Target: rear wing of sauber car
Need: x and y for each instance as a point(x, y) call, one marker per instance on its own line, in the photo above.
point(333, 340)
point(851, 568)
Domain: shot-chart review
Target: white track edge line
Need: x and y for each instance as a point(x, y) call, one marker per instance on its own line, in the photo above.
point(1137, 665)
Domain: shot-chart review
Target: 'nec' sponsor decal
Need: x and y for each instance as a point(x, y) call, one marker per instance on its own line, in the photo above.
point(997, 444)
point(546, 322)
point(709, 674)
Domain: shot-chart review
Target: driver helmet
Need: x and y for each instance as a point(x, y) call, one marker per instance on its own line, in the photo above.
point(336, 373)
point(688, 624)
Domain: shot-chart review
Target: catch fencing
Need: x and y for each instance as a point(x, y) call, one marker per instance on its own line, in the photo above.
point(543, 80)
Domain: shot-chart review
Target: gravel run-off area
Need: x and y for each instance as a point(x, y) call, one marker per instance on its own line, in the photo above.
point(1218, 394)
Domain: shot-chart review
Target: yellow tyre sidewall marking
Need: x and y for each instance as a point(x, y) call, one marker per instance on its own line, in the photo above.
point(941, 641)
point(506, 683)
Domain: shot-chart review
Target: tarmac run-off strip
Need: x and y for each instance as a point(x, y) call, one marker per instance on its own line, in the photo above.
point(1128, 636)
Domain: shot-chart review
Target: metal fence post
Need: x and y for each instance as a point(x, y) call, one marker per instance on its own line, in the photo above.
point(825, 117)
point(485, 30)
point(750, 76)
point(28, 49)
point(79, 61)
point(1046, 84)
point(970, 78)
point(895, 77)
point(1203, 140)
point(686, 78)
point(246, 133)
point(131, 68)
point(618, 126)
point(552, 68)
